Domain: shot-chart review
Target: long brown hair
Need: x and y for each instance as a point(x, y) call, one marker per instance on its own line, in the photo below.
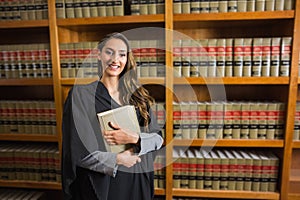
point(130, 89)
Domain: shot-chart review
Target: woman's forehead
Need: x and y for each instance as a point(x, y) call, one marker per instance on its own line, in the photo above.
point(116, 44)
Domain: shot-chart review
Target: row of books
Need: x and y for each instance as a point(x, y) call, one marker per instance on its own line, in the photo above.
point(159, 112)
point(25, 61)
point(221, 6)
point(224, 169)
point(297, 122)
point(89, 8)
point(23, 9)
point(28, 117)
point(35, 162)
point(238, 57)
point(229, 120)
point(21, 194)
point(147, 7)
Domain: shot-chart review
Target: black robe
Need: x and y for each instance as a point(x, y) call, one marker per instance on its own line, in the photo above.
point(82, 136)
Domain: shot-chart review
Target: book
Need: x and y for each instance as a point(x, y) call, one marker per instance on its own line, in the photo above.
point(124, 117)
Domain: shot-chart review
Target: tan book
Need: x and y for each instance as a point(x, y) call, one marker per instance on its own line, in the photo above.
point(221, 49)
point(38, 9)
point(228, 115)
point(238, 57)
point(248, 171)
point(285, 60)
point(216, 168)
point(144, 7)
point(152, 58)
point(297, 122)
point(254, 118)
point(160, 7)
point(224, 170)
point(125, 118)
point(31, 9)
point(85, 9)
point(236, 120)
point(101, 8)
point(195, 6)
point(177, 6)
point(185, 57)
point(247, 57)
point(118, 7)
point(212, 57)
point(70, 10)
point(192, 177)
point(273, 173)
point(186, 6)
point(200, 169)
point(229, 58)
point(203, 54)
point(136, 50)
point(257, 172)
point(185, 120)
point(270, 5)
point(193, 119)
point(241, 5)
point(152, 7)
point(184, 182)
point(257, 57)
point(214, 6)
point(232, 5)
point(211, 121)
point(204, 6)
point(93, 8)
point(144, 69)
point(176, 168)
point(279, 129)
point(109, 7)
point(177, 65)
point(260, 5)
point(266, 57)
point(223, 6)
point(289, 4)
point(265, 172)
point(275, 56)
point(232, 175)
point(208, 169)
point(262, 120)
point(177, 120)
point(279, 4)
point(135, 7)
point(241, 164)
point(202, 120)
point(194, 59)
point(161, 54)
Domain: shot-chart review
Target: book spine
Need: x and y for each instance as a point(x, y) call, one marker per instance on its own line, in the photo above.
point(229, 58)
point(260, 5)
point(194, 60)
point(270, 5)
point(185, 57)
point(212, 57)
point(221, 55)
point(152, 58)
point(144, 58)
point(262, 120)
point(285, 63)
point(177, 64)
point(203, 54)
point(247, 57)
point(238, 57)
point(195, 6)
point(177, 115)
point(266, 57)
point(185, 120)
point(241, 5)
point(93, 8)
point(101, 8)
point(118, 7)
point(202, 120)
point(257, 57)
point(275, 56)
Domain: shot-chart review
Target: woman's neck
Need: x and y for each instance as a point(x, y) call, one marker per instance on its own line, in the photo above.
point(112, 85)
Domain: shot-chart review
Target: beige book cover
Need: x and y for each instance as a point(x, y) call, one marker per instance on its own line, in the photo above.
point(203, 54)
point(176, 168)
point(125, 118)
point(152, 7)
point(185, 120)
point(135, 7)
point(221, 46)
point(257, 57)
point(257, 173)
point(160, 7)
point(247, 57)
point(229, 57)
point(216, 168)
point(177, 6)
point(186, 6)
point(238, 57)
point(177, 67)
point(177, 120)
point(109, 7)
point(200, 169)
point(275, 56)
point(85, 9)
point(224, 170)
point(266, 57)
point(212, 57)
point(192, 168)
point(232, 174)
point(185, 57)
point(118, 7)
point(70, 11)
point(271, 120)
point(208, 170)
point(265, 172)
point(285, 63)
point(248, 170)
point(144, 58)
point(228, 115)
point(101, 8)
point(241, 164)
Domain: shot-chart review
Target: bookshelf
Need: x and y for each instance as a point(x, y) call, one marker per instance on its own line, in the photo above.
point(197, 26)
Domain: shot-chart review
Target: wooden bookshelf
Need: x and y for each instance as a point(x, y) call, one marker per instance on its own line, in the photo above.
point(296, 144)
point(30, 184)
point(28, 137)
point(23, 24)
point(26, 82)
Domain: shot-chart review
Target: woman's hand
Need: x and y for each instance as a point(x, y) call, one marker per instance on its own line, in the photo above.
point(127, 158)
point(120, 136)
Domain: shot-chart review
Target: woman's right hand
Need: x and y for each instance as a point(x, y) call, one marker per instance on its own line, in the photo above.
point(127, 158)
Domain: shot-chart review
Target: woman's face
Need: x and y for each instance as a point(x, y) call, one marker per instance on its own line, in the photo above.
point(113, 57)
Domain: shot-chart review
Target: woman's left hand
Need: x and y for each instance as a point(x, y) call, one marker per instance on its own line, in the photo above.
point(120, 136)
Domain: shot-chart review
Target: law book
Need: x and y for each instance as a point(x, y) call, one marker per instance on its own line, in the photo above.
point(254, 114)
point(176, 168)
point(135, 7)
point(273, 173)
point(208, 169)
point(211, 121)
point(229, 57)
point(285, 59)
point(232, 175)
point(109, 7)
point(200, 169)
point(101, 8)
point(160, 172)
point(144, 7)
point(161, 54)
point(257, 57)
point(247, 57)
point(160, 7)
point(224, 170)
point(257, 172)
point(279, 4)
point(152, 58)
point(202, 120)
point(204, 6)
point(185, 119)
point(240, 180)
point(236, 120)
point(192, 168)
point(221, 48)
point(270, 5)
point(85, 7)
point(177, 120)
point(223, 6)
point(289, 4)
point(93, 8)
point(265, 172)
point(238, 57)
point(185, 6)
point(185, 57)
point(144, 69)
point(195, 6)
point(232, 5)
point(194, 59)
point(193, 119)
point(248, 170)
point(203, 57)
point(214, 6)
point(275, 56)
point(216, 170)
point(161, 116)
point(297, 122)
point(212, 57)
point(241, 5)
point(177, 65)
point(125, 118)
point(228, 115)
point(219, 119)
point(262, 120)
point(184, 182)
point(118, 7)
point(279, 129)
point(31, 9)
point(177, 6)
point(260, 5)
point(266, 57)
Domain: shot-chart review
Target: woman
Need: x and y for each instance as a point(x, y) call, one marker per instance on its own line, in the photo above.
point(88, 170)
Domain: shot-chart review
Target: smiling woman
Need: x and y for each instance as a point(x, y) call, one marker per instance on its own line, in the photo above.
point(89, 171)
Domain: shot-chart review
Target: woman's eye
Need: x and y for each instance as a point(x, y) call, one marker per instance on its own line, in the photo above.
point(122, 54)
point(109, 53)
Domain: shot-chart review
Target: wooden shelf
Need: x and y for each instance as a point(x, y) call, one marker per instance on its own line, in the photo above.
point(225, 194)
point(294, 196)
point(159, 191)
point(143, 81)
point(28, 137)
point(130, 19)
point(23, 24)
point(31, 184)
point(266, 15)
point(296, 144)
point(295, 175)
point(229, 143)
point(26, 82)
point(233, 80)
